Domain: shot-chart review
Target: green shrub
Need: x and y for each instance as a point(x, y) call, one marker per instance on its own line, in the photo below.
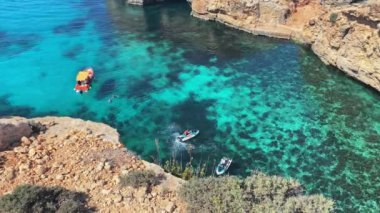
point(28, 198)
point(175, 168)
point(138, 179)
point(260, 187)
point(213, 194)
point(256, 193)
point(333, 17)
point(313, 203)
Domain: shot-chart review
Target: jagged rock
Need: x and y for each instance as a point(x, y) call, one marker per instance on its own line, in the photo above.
point(9, 174)
point(116, 179)
point(59, 177)
point(142, 2)
point(105, 192)
point(117, 198)
point(32, 152)
point(336, 2)
point(40, 170)
point(124, 172)
point(12, 129)
point(20, 149)
point(76, 165)
point(346, 37)
point(100, 166)
point(107, 166)
point(140, 195)
point(170, 207)
point(25, 141)
point(39, 161)
point(24, 167)
point(101, 183)
point(349, 44)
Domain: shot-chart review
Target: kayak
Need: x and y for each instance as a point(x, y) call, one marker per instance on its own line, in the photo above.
point(223, 165)
point(183, 137)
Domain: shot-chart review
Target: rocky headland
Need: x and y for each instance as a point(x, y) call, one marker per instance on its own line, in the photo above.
point(342, 33)
point(80, 156)
point(41, 156)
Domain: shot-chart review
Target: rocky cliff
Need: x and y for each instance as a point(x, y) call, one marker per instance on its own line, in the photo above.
point(258, 17)
point(342, 34)
point(349, 38)
point(142, 2)
point(12, 129)
point(80, 156)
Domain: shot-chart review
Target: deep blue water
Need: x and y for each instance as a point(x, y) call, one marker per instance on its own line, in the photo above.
point(270, 104)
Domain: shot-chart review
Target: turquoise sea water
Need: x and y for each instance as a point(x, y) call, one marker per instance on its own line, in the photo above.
point(270, 104)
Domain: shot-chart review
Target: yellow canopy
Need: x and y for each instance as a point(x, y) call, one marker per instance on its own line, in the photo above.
point(82, 75)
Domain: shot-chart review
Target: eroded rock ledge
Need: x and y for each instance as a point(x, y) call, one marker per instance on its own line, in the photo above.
point(143, 2)
point(80, 156)
point(342, 34)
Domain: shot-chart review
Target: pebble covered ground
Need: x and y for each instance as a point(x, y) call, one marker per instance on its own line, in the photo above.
point(74, 155)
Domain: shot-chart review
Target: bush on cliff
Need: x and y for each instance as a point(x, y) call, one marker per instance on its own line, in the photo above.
point(28, 198)
point(138, 179)
point(333, 17)
point(256, 193)
point(211, 194)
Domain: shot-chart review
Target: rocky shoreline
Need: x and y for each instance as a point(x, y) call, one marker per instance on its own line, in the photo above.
point(342, 34)
point(87, 158)
point(81, 156)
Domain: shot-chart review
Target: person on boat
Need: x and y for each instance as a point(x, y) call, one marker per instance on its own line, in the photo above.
point(224, 162)
point(187, 132)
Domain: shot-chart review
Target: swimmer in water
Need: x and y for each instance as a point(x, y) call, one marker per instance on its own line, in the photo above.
point(112, 97)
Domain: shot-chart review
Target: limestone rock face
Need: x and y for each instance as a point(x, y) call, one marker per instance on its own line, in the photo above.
point(88, 157)
point(244, 11)
point(255, 16)
point(142, 2)
point(336, 2)
point(12, 129)
point(349, 39)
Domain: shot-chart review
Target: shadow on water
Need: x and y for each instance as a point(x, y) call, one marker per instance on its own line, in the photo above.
point(201, 40)
point(6, 108)
point(71, 28)
point(106, 89)
point(14, 44)
point(192, 112)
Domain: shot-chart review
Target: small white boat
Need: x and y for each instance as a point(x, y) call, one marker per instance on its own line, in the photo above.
point(223, 165)
point(184, 137)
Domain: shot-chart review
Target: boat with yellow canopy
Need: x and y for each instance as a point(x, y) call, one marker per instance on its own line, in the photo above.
point(84, 80)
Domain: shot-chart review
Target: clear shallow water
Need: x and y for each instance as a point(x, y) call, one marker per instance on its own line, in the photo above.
point(270, 104)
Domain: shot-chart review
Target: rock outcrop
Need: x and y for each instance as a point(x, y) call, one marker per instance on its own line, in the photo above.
point(12, 130)
point(347, 36)
point(87, 157)
point(336, 2)
point(254, 16)
point(142, 2)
